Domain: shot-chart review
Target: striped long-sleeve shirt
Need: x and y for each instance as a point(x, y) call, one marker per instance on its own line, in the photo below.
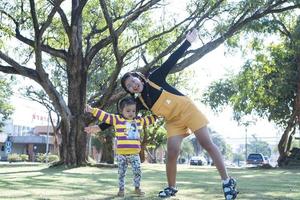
point(127, 131)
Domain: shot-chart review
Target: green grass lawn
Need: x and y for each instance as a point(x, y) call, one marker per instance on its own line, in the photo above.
point(194, 182)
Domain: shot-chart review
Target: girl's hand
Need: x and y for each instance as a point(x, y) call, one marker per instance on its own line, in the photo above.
point(92, 129)
point(88, 108)
point(191, 36)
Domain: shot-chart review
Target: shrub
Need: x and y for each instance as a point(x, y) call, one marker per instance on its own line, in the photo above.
point(40, 157)
point(24, 157)
point(53, 158)
point(13, 157)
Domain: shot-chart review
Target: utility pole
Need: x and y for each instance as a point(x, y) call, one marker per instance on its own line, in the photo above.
point(246, 124)
point(47, 145)
point(246, 146)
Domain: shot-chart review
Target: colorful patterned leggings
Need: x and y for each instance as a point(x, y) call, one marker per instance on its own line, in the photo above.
point(135, 162)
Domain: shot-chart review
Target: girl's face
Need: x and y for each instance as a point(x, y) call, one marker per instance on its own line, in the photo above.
point(129, 111)
point(134, 84)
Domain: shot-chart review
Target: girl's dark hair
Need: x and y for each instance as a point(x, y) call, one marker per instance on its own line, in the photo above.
point(127, 75)
point(126, 101)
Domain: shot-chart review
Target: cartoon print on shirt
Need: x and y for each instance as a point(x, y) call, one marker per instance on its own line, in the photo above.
point(132, 131)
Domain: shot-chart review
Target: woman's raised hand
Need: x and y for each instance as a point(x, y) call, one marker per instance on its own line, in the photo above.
point(191, 36)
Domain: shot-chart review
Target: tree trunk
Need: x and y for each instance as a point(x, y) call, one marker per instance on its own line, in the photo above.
point(151, 155)
point(74, 138)
point(73, 144)
point(142, 154)
point(286, 138)
point(282, 145)
point(108, 152)
point(144, 143)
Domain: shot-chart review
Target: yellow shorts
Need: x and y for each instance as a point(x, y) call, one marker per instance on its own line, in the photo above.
point(181, 114)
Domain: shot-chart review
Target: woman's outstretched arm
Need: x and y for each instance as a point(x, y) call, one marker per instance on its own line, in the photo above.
point(174, 57)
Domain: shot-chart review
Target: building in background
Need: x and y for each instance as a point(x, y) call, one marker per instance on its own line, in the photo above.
point(28, 131)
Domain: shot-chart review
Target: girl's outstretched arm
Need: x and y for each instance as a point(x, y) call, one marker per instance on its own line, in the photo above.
point(101, 115)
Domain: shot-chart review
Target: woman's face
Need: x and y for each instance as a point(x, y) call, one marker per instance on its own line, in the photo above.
point(134, 84)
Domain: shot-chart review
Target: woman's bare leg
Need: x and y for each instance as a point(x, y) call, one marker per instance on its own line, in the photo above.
point(205, 141)
point(173, 144)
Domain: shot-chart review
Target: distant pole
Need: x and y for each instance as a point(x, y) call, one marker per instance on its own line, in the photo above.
point(90, 145)
point(47, 145)
point(246, 150)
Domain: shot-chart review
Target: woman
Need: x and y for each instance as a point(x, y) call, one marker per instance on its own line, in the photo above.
point(181, 115)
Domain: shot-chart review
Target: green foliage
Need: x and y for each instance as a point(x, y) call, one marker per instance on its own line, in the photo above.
point(13, 157)
point(24, 157)
point(97, 141)
point(53, 158)
point(156, 135)
point(266, 84)
point(295, 143)
point(187, 149)
point(220, 142)
point(42, 157)
point(259, 146)
point(238, 157)
point(223, 90)
point(5, 93)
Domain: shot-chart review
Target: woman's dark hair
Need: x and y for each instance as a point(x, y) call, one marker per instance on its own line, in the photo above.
point(126, 101)
point(127, 75)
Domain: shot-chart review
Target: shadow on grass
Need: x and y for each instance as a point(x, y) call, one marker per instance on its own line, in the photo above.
point(102, 183)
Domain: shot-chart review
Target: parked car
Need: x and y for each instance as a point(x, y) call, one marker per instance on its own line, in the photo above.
point(198, 160)
point(256, 159)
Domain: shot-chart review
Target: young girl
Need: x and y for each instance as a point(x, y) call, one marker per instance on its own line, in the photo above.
point(181, 115)
point(128, 128)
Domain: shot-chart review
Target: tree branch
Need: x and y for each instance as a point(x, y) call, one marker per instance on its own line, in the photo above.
point(112, 32)
point(64, 21)
point(15, 68)
point(95, 31)
point(284, 29)
point(117, 54)
point(54, 52)
point(104, 42)
point(46, 24)
point(242, 21)
point(46, 84)
point(78, 11)
point(33, 16)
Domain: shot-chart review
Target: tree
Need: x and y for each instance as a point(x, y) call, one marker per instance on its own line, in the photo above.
point(237, 157)
point(218, 140)
point(92, 40)
point(258, 146)
point(5, 93)
point(41, 97)
point(186, 151)
point(269, 84)
point(153, 138)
